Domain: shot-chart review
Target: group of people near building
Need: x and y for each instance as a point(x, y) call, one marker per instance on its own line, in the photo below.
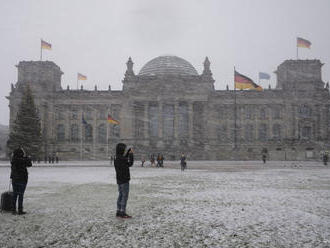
point(51, 159)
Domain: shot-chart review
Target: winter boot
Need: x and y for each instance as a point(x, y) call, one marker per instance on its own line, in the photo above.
point(21, 212)
point(126, 216)
point(118, 213)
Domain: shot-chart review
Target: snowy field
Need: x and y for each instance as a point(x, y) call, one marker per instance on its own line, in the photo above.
point(212, 204)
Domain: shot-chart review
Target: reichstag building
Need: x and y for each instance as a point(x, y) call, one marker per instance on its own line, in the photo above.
point(169, 108)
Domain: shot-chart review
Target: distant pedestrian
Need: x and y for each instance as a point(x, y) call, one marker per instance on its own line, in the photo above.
point(161, 160)
point(158, 160)
point(325, 158)
point(49, 159)
point(152, 160)
point(57, 159)
point(19, 177)
point(53, 159)
point(122, 163)
point(264, 157)
point(143, 160)
point(183, 162)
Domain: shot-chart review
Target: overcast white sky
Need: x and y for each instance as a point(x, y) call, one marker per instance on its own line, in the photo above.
point(96, 37)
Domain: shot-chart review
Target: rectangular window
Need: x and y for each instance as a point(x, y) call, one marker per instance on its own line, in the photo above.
point(306, 133)
point(263, 132)
point(153, 120)
point(183, 119)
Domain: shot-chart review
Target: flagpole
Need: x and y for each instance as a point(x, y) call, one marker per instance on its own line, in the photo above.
point(81, 140)
point(297, 53)
point(77, 82)
point(235, 113)
point(107, 140)
point(40, 51)
point(297, 48)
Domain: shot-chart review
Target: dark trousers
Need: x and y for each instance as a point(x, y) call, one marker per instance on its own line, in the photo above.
point(19, 189)
point(123, 190)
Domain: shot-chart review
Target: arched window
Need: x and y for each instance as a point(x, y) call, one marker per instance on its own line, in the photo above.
point(139, 119)
point(74, 133)
point(102, 134)
point(168, 121)
point(277, 131)
point(88, 132)
point(60, 132)
point(263, 132)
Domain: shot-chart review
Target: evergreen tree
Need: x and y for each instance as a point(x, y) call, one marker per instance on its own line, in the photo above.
point(26, 131)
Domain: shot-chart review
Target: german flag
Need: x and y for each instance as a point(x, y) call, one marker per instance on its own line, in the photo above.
point(303, 43)
point(243, 82)
point(112, 121)
point(81, 76)
point(46, 45)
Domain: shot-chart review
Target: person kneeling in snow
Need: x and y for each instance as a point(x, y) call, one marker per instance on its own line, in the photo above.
point(122, 163)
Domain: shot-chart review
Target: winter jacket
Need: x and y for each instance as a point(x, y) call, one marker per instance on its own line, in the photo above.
point(19, 173)
point(122, 164)
point(183, 160)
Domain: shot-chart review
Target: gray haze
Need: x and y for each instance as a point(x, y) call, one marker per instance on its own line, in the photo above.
point(96, 37)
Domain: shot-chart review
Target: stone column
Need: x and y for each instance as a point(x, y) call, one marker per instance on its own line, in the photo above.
point(294, 126)
point(271, 122)
point(176, 120)
point(146, 121)
point(52, 132)
point(190, 113)
point(160, 120)
point(94, 131)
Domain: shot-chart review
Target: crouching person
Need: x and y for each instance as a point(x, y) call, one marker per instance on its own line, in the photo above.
point(122, 163)
point(19, 177)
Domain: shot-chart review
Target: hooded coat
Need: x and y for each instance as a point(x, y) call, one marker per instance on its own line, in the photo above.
point(122, 163)
point(19, 164)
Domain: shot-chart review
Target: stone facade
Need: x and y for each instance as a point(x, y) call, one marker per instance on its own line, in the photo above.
point(169, 108)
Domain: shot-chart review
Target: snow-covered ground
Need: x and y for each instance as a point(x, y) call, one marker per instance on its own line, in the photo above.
point(212, 204)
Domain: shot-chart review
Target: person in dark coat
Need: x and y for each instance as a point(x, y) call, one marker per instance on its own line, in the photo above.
point(19, 177)
point(161, 160)
point(122, 163)
point(183, 162)
point(152, 160)
point(325, 158)
point(143, 160)
point(264, 157)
